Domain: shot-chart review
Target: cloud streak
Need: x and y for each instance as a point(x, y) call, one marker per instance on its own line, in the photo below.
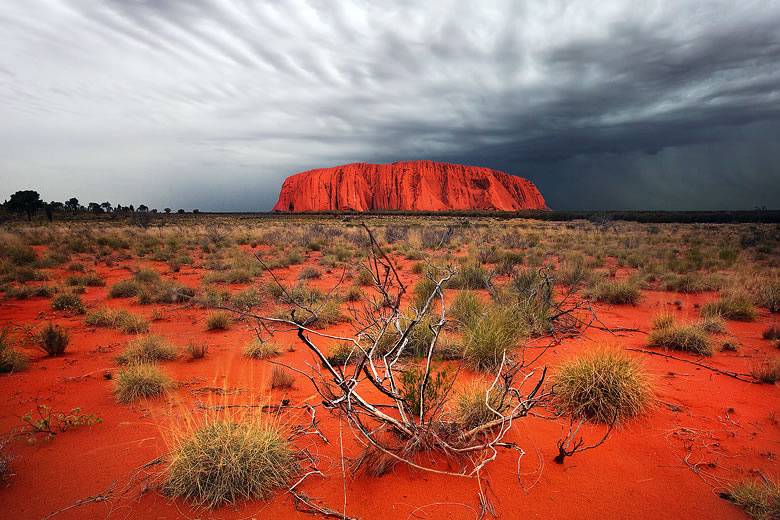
point(211, 103)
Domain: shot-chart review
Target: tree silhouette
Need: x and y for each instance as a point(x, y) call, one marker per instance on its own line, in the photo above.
point(25, 201)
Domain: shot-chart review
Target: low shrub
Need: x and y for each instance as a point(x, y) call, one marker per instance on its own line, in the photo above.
point(733, 307)
point(281, 378)
point(435, 390)
point(146, 349)
point(10, 359)
point(465, 308)
point(488, 338)
point(123, 289)
point(87, 280)
point(767, 372)
point(470, 276)
point(475, 404)
point(309, 273)
point(224, 461)
point(68, 302)
point(668, 333)
point(760, 500)
point(197, 350)
point(771, 332)
point(140, 380)
point(218, 320)
point(713, 324)
point(257, 349)
point(605, 386)
point(616, 292)
point(53, 340)
point(342, 354)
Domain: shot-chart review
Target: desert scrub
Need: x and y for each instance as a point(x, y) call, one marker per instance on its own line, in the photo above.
point(605, 386)
point(731, 307)
point(53, 340)
point(68, 302)
point(616, 292)
point(667, 333)
point(476, 404)
point(714, 324)
point(227, 459)
point(123, 289)
point(146, 349)
point(436, 390)
point(123, 320)
point(218, 320)
point(309, 273)
point(470, 276)
point(197, 350)
point(771, 332)
point(140, 380)
point(760, 500)
point(488, 338)
point(423, 290)
point(465, 308)
point(258, 349)
point(87, 280)
point(767, 372)
point(10, 359)
point(281, 378)
point(342, 354)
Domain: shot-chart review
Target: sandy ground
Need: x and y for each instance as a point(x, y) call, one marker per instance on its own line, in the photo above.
point(705, 431)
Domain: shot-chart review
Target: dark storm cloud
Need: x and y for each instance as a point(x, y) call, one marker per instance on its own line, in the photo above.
point(210, 103)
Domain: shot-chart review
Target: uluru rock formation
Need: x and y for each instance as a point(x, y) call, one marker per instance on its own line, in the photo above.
point(407, 185)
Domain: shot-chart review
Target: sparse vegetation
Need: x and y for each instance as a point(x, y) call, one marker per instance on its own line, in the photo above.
point(53, 340)
point(218, 320)
point(685, 337)
point(605, 386)
point(731, 307)
point(140, 380)
point(760, 500)
point(227, 459)
point(258, 349)
point(147, 349)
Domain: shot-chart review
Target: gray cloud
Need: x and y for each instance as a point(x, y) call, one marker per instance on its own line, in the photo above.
point(210, 103)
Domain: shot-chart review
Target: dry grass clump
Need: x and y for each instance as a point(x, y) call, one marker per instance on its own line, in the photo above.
point(68, 302)
point(53, 340)
point(616, 292)
point(604, 386)
point(767, 372)
point(197, 350)
point(218, 320)
point(465, 308)
point(342, 354)
point(476, 404)
point(10, 359)
point(140, 380)
point(760, 500)
point(257, 349)
point(281, 378)
point(736, 307)
point(123, 320)
point(486, 339)
point(147, 349)
point(714, 324)
point(309, 273)
point(86, 280)
point(668, 333)
point(470, 276)
point(224, 461)
point(771, 332)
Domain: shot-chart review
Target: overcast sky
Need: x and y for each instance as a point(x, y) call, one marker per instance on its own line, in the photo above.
point(604, 104)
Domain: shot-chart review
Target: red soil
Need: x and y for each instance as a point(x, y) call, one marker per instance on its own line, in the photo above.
point(707, 429)
point(409, 185)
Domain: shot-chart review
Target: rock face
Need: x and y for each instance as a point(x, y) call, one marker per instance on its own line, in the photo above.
point(408, 185)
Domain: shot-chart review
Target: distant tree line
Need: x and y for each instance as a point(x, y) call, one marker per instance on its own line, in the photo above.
point(28, 203)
